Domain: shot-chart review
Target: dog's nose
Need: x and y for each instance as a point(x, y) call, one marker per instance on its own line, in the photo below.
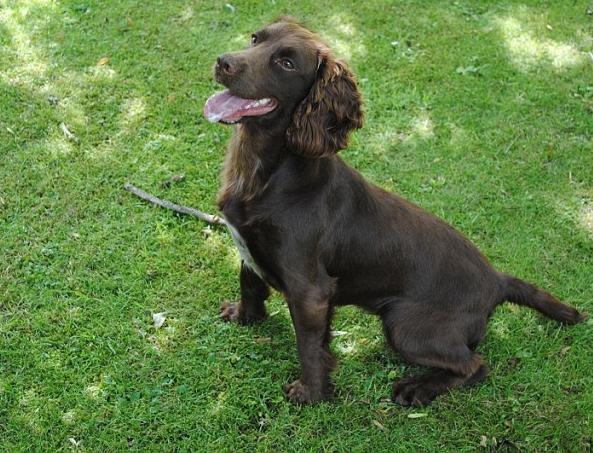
point(226, 64)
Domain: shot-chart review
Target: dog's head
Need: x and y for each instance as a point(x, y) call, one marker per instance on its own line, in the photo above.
point(288, 79)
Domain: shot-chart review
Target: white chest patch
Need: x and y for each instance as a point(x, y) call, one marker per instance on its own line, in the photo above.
point(243, 250)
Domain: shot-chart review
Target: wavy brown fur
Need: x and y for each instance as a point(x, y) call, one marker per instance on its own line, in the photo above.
point(322, 122)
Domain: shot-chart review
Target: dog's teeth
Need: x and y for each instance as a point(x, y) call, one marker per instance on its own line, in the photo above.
point(259, 103)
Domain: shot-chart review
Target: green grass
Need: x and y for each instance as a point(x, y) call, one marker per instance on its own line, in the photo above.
point(479, 112)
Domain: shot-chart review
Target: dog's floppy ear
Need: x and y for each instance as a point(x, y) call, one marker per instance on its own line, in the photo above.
point(321, 124)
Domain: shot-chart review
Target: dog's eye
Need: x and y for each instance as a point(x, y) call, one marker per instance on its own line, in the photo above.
point(286, 64)
point(253, 39)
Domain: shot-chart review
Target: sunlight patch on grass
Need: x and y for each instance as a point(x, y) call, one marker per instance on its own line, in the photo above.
point(30, 404)
point(422, 126)
point(33, 65)
point(458, 134)
point(101, 73)
point(419, 130)
point(162, 338)
point(101, 151)
point(342, 26)
point(93, 391)
point(217, 243)
point(585, 40)
point(133, 113)
point(187, 14)
point(392, 136)
point(73, 112)
point(219, 404)
point(33, 70)
point(99, 389)
point(239, 40)
point(342, 36)
point(46, 3)
point(57, 147)
point(158, 143)
point(347, 347)
point(28, 398)
point(499, 328)
point(586, 217)
point(163, 234)
point(51, 360)
point(579, 212)
point(69, 417)
point(527, 51)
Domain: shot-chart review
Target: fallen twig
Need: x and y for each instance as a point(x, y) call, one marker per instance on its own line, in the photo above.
point(209, 218)
point(69, 135)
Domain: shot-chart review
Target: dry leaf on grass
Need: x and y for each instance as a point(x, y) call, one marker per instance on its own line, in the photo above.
point(417, 415)
point(158, 319)
point(338, 333)
point(378, 425)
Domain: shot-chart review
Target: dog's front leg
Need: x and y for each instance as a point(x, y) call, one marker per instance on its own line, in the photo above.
point(311, 317)
point(251, 307)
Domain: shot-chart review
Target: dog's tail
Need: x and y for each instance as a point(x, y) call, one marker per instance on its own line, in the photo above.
point(523, 293)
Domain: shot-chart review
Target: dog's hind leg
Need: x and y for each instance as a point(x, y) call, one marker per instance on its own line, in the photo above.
point(435, 340)
point(421, 390)
point(251, 308)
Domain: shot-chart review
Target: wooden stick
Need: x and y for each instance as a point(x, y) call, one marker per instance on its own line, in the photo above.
point(209, 218)
point(69, 135)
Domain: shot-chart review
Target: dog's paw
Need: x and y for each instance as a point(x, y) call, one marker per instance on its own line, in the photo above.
point(413, 392)
point(231, 312)
point(300, 393)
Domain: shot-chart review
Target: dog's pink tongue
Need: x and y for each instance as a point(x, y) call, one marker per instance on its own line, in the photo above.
point(225, 107)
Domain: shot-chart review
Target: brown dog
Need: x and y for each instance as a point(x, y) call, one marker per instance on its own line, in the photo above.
point(315, 230)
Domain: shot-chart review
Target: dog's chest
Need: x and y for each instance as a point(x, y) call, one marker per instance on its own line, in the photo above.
point(241, 245)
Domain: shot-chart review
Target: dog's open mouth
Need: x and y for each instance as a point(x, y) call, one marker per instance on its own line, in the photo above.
point(230, 109)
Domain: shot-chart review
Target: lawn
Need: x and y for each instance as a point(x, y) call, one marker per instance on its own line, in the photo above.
point(480, 112)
